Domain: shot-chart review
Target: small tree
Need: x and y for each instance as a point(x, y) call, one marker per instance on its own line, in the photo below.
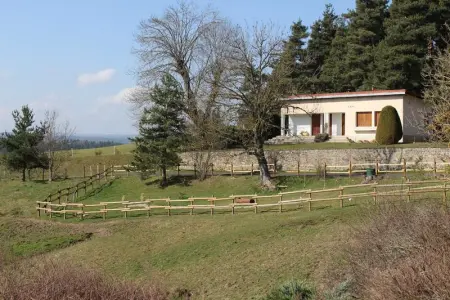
point(161, 129)
point(56, 142)
point(389, 130)
point(22, 145)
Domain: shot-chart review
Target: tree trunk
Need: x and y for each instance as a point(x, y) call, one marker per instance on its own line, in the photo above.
point(29, 174)
point(264, 174)
point(23, 175)
point(50, 171)
point(164, 176)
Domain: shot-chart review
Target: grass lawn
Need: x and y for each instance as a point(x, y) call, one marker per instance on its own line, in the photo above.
point(224, 256)
point(221, 257)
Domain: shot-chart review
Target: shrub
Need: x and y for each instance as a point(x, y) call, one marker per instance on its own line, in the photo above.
point(50, 280)
point(98, 152)
point(402, 252)
point(389, 130)
point(292, 290)
point(321, 137)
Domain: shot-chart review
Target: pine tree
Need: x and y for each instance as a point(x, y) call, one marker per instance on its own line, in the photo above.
point(323, 32)
point(332, 76)
point(351, 59)
point(293, 56)
point(364, 34)
point(161, 130)
point(411, 27)
point(22, 145)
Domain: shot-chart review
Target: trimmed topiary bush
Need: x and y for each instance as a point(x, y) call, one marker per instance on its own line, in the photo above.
point(389, 130)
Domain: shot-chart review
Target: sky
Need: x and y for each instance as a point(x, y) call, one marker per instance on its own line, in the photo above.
point(75, 56)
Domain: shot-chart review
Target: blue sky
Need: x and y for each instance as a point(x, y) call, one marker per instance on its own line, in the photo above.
point(75, 55)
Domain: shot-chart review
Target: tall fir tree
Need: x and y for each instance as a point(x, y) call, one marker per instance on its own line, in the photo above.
point(323, 32)
point(332, 76)
point(22, 145)
point(294, 56)
point(351, 62)
point(161, 130)
point(364, 34)
point(413, 25)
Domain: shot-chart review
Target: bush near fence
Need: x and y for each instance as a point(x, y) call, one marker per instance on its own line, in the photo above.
point(371, 192)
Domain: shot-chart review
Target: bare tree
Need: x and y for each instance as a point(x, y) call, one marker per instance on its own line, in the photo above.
point(254, 88)
point(55, 143)
point(191, 44)
point(435, 120)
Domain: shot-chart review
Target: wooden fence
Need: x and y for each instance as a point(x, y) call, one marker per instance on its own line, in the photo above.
point(350, 169)
point(371, 192)
point(73, 192)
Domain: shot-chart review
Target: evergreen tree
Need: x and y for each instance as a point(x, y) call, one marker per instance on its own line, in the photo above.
point(332, 76)
point(364, 34)
point(351, 59)
point(22, 145)
point(161, 130)
point(412, 27)
point(323, 32)
point(294, 56)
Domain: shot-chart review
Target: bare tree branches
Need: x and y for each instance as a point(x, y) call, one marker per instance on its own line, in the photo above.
point(437, 98)
point(254, 88)
point(57, 137)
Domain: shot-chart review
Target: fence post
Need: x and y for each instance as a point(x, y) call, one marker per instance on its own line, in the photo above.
point(324, 171)
point(309, 201)
point(98, 171)
point(435, 168)
point(445, 194)
point(298, 168)
point(341, 194)
point(375, 194)
point(350, 168)
point(404, 168)
point(212, 169)
point(251, 174)
point(84, 171)
point(281, 204)
point(90, 170)
point(39, 210)
point(104, 173)
point(232, 172)
point(376, 168)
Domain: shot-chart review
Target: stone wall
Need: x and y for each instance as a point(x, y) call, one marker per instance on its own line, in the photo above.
point(288, 159)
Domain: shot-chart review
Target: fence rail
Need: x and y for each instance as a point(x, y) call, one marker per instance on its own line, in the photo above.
point(373, 192)
point(73, 192)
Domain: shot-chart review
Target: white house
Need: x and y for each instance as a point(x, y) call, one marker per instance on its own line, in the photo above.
point(351, 115)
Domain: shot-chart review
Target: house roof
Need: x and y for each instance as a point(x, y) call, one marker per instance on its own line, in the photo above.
point(348, 94)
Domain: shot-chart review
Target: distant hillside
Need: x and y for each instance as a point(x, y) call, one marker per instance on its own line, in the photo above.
point(116, 138)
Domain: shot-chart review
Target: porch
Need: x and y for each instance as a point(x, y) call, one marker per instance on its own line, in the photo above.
point(304, 125)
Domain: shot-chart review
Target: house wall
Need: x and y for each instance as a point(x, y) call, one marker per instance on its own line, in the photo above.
point(300, 123)
point(412, 119)
point(350, 106)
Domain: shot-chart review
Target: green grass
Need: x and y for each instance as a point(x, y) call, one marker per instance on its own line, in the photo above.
point(19, 198)
point(221, 257)
point(21, 238)
point(224, 256)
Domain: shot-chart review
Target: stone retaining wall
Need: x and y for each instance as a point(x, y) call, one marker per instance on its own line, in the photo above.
point(288, 159)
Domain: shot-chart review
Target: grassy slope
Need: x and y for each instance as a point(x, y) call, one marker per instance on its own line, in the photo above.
point(221, 257)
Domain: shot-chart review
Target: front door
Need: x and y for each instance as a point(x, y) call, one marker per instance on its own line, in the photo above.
point(315, 124)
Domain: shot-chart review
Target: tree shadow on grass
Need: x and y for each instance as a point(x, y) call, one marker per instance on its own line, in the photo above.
point(172, 181)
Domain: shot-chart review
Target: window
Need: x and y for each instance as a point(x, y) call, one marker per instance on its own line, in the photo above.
point(377, 117)
point(364, 119)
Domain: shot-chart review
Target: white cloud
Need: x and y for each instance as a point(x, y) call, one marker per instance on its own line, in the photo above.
point(99, 77)
point(121, 97)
